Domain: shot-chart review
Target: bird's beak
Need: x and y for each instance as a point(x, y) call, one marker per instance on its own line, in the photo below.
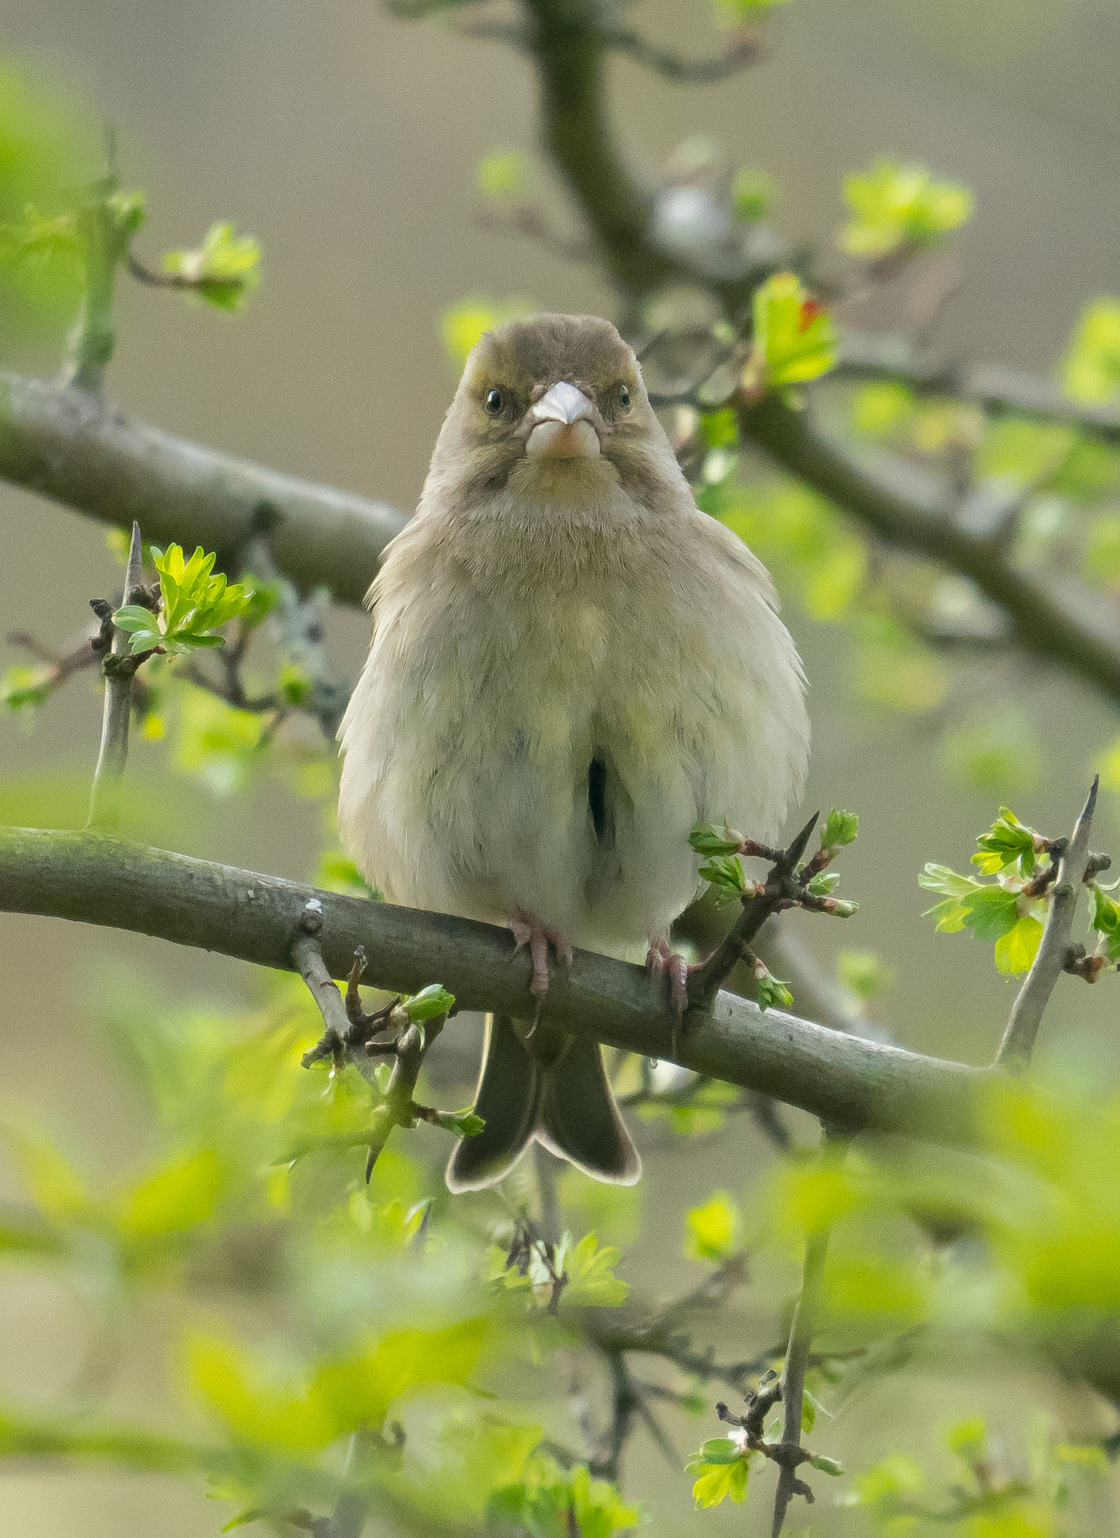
point(562, 425)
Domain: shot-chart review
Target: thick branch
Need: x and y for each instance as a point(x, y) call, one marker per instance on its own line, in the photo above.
point(841, 1079)
point(76, 448)
point(1053, 950)
point(909, 510)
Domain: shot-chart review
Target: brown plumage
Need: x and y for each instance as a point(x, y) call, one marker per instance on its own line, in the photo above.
point(570, 665)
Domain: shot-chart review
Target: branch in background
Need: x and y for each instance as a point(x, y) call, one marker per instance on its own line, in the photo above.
point(1053, 955)
point(841, 1079)
point(118, 666)
point(298, 626)
point(80, 450)
point(908, 509)
point(793, 1378)
point(1002, 391)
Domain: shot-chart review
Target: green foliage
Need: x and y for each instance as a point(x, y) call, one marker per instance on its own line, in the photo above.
point(1091, 368)
point(794, 340)
point(706, 839)
point(714, 1230)
point(721, 1467)
point(194, 604)
point(840, 829)
point(224, 270)
point(895, 206)
point(770, 991)
point(551, 1502)
point(752, 194)
point(1000, 911)
point(24, 689)
point(44, 156)
point(863, 973)
point(724, 873)
point(504, 174)
point(464, 323)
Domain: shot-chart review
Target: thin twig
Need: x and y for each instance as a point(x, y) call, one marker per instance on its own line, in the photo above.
point(1053, 951)
point(118, 666)
point(793, 1377)
point(781, 890)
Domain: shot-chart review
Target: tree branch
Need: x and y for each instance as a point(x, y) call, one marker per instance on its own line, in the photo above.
point(72, 446)
point(842, 1079)
point(1054, 948)
point(909, 510)
point(870, 355)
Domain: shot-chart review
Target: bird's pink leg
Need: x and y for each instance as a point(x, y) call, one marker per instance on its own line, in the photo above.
point(539, 937)
point(662, 961)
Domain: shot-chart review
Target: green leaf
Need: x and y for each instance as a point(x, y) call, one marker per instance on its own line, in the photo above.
point(177, 1195)
point(591, 1278)
point(991, 911)
point(1007, 842)
point(465, 1123)
point(464, 323)
point(752, 195)
point(1015, 951)
point(223, 271)
point(723, 1468)
point(895, 205)
point(823, 882)
point(770, 992)
point(1091, 370)
point(1105, 919)
point(24, 688)
point(428, 1003)
point(840, 829)
point(863, 973)
point(725, 873)
point(794, 339)
point(714, 1230)
point(504, 174)
point(707, 839)
point(826, 1465)
point(939, 878)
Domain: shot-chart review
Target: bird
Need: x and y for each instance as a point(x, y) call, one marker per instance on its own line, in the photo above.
point(571, 665)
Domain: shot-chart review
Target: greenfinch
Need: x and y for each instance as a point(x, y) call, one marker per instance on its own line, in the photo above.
point(571, 665)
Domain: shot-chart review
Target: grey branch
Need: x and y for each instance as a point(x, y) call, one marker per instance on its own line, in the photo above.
point(74, 447)
point(118, 668)
point(867, 355)
point(908, 509)
point(841, 1079)
point(1053, 951)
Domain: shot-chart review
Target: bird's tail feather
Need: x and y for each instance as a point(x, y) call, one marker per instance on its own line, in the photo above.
point(564, 1101)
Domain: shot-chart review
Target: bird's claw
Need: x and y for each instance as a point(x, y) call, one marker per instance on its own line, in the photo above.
point(664, 964)
point(529, 931)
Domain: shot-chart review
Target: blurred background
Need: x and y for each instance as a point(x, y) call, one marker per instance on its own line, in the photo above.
point(348, 143)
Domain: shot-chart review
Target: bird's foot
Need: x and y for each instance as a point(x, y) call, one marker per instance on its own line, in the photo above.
point(540, 938)
point(665, 965)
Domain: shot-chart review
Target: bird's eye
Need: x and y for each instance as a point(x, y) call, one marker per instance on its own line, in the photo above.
point(494, 402)
point(624, 396)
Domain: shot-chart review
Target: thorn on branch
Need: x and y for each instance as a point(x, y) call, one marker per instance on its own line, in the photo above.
point(118, 666)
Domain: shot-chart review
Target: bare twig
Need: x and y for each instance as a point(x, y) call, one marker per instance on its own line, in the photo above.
point(793, 1377)
point(780, 890)
point(118, 666)
point(1054, 948)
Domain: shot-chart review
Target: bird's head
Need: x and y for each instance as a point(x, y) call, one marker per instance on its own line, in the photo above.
point(553, 404)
